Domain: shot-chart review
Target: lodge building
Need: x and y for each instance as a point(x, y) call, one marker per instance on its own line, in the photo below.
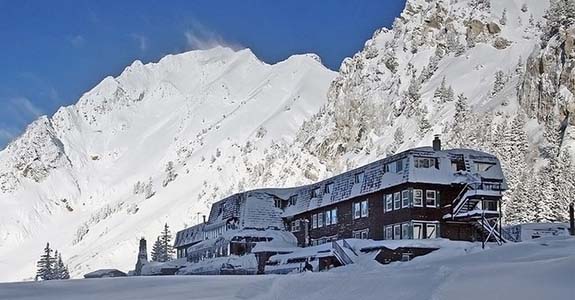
point(421, 193)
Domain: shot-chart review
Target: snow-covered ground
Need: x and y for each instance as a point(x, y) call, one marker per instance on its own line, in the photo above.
point(538, 269)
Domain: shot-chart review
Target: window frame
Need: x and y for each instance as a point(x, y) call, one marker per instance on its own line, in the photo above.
point(405, 198)
point(314, 221)
point(427, 198)
point(421, 162)
point(399, 165)
point(388, 202)
point(356, 207)
point(358, 177)
point(295, 226)
point(327, 189)
point(334, 216)
point(397, 232)
point(320, 220)
point(327, 215)
point(420, 197)
point(364, 208)
point(396, 200)
point(405, 231)
point(315, 193)
point(388, 232)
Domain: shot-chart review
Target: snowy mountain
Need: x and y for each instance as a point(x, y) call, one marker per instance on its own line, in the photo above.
point(495, 76)
point(156, 144)
point(162, 141)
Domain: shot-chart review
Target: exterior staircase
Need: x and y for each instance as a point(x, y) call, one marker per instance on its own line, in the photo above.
point(344, 252)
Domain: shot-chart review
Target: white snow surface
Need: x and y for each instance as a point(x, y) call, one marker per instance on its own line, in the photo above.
point(538, 269)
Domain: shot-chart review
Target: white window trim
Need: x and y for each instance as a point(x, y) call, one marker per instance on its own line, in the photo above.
point(396, 200)
point(434, 193)
point(389, 202)
point(403, 202)
point(334, 216)
point(364, 203)
point(327, 215)
point(421, 197)
point(356, 210)
point(320, 220)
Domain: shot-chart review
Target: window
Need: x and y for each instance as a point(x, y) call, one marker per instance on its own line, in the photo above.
point(396, 232)
point(417, 231)
point(314, 221)
point(405, 231)
point(490, 205)
point(425, 162)
point(431, 231)
point(357, 210)
point(292, 200)
point(388, 202)
point(364, 208)
point(295, 226)
point(388, 233)
point(396, 200)
point(334, 216)
point(399, 165)
point(278, 203)
point(390, 167)
point(328, 218)
point(320, 220)
point(361, 234)
point(418, 198)
point(358, 177)
point(483, 166)
point(405, 198)
point(315, 193)
point(328, 188)
point(430, 198)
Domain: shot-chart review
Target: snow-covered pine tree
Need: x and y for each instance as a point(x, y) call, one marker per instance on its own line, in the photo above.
point(167, 251)
point(458, 133)
point(500, 81)
point(450, 95)
point(149, 189)
point(46, 264)
point(60, 270)
point(441, 90)
point(515, 146)
point(156, 249)
point(560, 13)
point(518, 208)
point(503, 20)
point(170, 174)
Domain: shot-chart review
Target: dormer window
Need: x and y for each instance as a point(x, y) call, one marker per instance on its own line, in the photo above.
point(328, 188)
point(292, 200)
point(358, 178)
point(425, 162)
point(315, 193)
point(483, 166)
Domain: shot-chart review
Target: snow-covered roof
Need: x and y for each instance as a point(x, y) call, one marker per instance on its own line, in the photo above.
point(259, 208)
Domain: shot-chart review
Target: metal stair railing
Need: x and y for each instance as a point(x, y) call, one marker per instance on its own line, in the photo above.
point(340, 254)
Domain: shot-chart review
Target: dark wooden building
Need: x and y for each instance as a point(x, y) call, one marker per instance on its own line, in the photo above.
point(421, 193)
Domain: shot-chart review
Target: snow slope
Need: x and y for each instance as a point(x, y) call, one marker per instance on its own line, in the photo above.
point(139, 150)
point(539, 269)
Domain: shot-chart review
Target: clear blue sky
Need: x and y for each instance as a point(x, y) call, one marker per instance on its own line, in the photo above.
point(51, 52)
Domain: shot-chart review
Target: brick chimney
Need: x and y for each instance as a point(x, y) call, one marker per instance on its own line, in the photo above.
point(437, 143)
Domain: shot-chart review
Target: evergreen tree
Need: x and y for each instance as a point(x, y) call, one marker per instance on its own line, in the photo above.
point(156, 249)
point(46, 264)
point(170, 174)
point(60, 270)
point(460, 122)
point(166, 252)
point(503, 19)
point(499, 84)
point(149, 189)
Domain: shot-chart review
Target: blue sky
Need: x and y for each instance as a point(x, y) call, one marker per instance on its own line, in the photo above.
point(51, 52)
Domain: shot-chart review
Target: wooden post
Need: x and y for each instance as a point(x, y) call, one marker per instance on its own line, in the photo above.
point(572, 217)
